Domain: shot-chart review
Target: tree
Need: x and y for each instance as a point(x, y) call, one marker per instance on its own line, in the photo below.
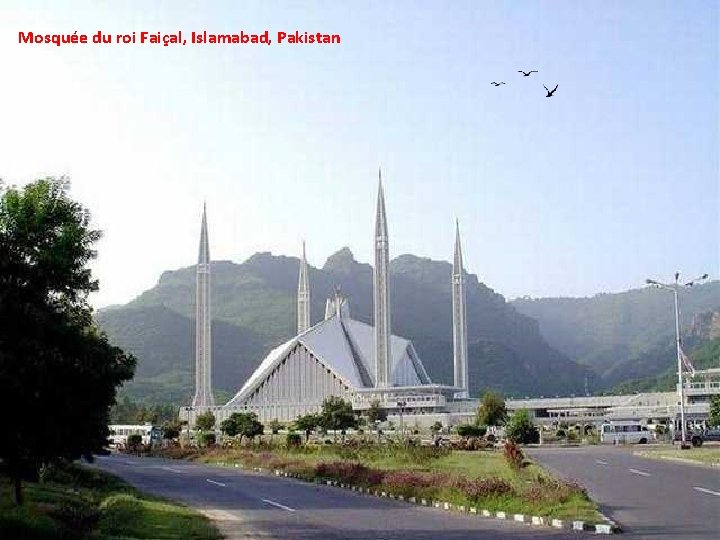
point(248, 425)
point(520, 428)
point(375, 415)
point(466, 431)
point(307, 423)
point(275, 427)
point(58, 373)
point(205, 421)
point(171, 430)
point(436, 427)
point(337, 414)
point(229, 427)
point(714, 419)
point(492, 411)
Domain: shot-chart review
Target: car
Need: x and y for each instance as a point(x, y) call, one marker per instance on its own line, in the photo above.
point(697, 438)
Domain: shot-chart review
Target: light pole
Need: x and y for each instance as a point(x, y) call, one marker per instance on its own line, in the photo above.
point(674, 287)
point(401, 405)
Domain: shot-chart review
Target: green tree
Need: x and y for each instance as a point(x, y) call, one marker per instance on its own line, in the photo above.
point(58, 373)
point(337, 414)
point(171, 430)
point(205, 421)
point(275, 427)
point(229, 427)
point(436, 427)
point(247, 425)
point(376, 415)
point(492, 411)
point(520, 428)
point(714, 419)
point(307, 423)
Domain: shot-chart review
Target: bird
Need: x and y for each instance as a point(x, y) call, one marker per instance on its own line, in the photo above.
point(526, 73)
point(550, 93)
point(497, 83)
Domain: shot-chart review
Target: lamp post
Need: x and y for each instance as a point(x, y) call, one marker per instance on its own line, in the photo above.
point(401, 405)
point(674, 287)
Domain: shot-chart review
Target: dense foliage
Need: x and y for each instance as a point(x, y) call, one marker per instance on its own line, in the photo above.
point(491, 411)
point(520, 428)
point(58, 374)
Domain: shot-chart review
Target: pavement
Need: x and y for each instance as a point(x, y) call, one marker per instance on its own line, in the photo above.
point(650, 499)
point(247, 505)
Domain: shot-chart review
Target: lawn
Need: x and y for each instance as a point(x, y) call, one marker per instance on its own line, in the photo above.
point(82, 502)
point(705, 455)
point(483, 479)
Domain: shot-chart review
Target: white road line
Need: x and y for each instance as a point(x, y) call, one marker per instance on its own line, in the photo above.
point(216, 483)
point(641, 473)
point(171, 469)
point(278, 505)
point(708, 491)
point(601, 462)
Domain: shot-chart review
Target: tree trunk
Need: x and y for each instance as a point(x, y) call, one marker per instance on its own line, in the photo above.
point(18, 490)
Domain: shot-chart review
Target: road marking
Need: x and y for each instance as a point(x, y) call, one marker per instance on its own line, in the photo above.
point(601, 462)
point(216, 483)
point(709, 491)
point(171, 469)
point(278, 505)
point(641, 473)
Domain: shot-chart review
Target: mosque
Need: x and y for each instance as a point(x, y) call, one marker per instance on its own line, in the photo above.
point(340, 356)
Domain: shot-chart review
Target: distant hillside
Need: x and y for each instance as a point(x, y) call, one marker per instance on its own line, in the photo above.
point(621, 336)
point(254, 309)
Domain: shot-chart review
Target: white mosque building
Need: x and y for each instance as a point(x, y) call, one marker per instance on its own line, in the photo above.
point(340, 356)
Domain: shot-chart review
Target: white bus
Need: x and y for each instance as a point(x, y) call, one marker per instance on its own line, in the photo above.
point(119, 433)
point(625, 432)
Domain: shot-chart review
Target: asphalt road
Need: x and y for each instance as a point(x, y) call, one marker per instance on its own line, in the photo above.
point(648, 498)
point(249, 505)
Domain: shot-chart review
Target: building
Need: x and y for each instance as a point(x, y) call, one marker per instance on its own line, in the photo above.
point(340, 356)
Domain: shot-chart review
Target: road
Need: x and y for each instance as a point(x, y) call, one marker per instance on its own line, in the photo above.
point(649, 498)
point(247, 505)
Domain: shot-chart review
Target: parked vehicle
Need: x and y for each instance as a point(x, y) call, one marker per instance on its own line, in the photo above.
point(625, 432)
point(698, 437)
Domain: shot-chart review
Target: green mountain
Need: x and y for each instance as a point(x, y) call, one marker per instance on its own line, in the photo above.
point(625, 335)
point(253, 309)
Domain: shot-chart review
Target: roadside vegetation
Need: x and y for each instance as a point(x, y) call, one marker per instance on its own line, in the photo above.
point(78, 502)
point(707, 455)
point(472, 470)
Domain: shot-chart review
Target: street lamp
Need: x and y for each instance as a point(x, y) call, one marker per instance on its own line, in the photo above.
point(401, 405)
point(674, 287)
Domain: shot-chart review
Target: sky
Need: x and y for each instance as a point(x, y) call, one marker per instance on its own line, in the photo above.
point(612, 180)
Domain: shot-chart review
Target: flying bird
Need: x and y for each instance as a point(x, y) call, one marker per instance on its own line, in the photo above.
point(550, 93)
point(497, 83)
point(526, 73)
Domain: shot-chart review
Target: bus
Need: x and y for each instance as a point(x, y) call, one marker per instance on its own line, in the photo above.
point(625, 432)
point(119, 434)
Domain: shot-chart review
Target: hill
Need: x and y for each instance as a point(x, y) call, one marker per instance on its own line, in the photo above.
point(623, 335)
point(253, 308)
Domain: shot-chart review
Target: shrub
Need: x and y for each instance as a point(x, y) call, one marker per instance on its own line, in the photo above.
point(482, 488)
point(513, 455)
point(560, 433)
point(572, 436)
point(117, 512)
point(471, 431)
point(293, 439)
point(78, 515)
point(544, 490)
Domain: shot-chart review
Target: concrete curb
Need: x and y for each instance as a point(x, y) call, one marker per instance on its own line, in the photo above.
point(680, 460)
point(609, 527)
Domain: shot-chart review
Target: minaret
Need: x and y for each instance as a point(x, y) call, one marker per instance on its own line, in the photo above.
point(203, 385)
point(381, 274)
point(460, 359)
point(303, 296)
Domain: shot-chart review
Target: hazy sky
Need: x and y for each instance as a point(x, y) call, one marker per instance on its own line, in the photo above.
point(612, 180)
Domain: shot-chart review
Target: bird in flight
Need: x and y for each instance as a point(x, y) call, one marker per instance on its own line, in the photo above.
point(549, 92)
point(526, 73)
point(497, 83)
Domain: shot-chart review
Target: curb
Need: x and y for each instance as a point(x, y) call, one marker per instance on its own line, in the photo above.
point(609, 527)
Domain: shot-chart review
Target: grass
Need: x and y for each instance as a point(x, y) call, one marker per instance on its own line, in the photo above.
point(705, 455)
point(533, 490)
point(78, 502)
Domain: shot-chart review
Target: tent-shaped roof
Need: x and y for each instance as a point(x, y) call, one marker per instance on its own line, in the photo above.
point(346, 347)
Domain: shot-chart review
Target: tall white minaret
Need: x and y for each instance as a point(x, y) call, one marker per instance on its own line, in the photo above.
point(381, 274)
point(303, 296)
point(203, 362)
point(460, 360)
